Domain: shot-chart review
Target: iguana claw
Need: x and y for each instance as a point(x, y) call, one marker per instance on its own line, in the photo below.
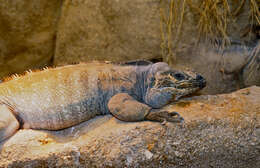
point(162, 116)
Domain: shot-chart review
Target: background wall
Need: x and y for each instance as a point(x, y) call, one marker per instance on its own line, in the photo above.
point(27, 34)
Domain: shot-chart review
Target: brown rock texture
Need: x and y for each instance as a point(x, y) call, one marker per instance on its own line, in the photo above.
point(27, 34)
point(108, 30)
point(221, 68)
point(120, 30)
point(225, 69)
point(219, 131)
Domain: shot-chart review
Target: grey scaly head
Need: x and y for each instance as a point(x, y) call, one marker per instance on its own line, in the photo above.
point(181, 83)
point(167, 85)
point(163, 79)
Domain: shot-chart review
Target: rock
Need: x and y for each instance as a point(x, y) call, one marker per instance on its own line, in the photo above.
point(27, 34)
point(225, 69)
point(120, 30)
point(148, 154)
point(219, 131)
point(112, 30)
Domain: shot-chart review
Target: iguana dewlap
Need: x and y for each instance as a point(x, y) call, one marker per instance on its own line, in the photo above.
point(58, 98)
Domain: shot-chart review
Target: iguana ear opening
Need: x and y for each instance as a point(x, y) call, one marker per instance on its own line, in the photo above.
point(160, 67)
point(154, 71)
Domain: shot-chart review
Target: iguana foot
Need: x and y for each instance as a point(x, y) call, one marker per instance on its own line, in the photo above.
point(162, 116)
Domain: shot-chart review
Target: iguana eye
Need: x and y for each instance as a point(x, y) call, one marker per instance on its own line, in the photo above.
point(179, 76)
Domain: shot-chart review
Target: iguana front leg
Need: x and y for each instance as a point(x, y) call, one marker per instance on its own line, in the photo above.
point(161, 116)
point(126, 108)
point(159, 97)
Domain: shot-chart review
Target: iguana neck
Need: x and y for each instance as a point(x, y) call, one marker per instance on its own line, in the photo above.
point(142, 84)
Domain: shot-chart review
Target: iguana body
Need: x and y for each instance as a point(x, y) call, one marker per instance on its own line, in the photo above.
point(58, 98)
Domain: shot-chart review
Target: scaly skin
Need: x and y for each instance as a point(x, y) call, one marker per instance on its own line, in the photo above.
point(58, 98)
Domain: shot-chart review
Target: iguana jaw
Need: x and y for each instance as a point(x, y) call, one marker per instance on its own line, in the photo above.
point(185, 92)
point(190, 84)
point(184, 88)
point(186, 84)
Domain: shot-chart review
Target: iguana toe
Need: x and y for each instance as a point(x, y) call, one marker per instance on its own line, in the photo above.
point(162, 116)
point(175, 114)
point(175, 117)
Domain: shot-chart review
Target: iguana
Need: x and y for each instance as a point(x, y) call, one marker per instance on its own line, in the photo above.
point(62, 97)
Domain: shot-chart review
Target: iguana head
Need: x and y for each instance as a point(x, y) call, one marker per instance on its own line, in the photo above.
point(182, 83)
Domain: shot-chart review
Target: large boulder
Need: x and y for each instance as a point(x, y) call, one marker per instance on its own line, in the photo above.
point(108, 30)
point(226, 69)
point(27, 34)
point(219, 131)
point(120, 30)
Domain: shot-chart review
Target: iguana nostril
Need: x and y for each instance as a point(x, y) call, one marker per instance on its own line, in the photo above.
point(202, 84)
point(199, 77)
point(201, 81)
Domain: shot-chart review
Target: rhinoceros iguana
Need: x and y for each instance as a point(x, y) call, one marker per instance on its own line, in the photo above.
point(58, 98)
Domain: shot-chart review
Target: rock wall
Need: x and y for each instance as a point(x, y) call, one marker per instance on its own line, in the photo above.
point(223, 68)
point(27, 34)
point(108, 30)
point(120, 30)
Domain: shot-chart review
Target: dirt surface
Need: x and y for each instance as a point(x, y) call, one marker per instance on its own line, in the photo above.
point(219, 131)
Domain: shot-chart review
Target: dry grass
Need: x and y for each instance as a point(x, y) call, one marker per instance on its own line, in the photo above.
point(254, 12)
point(213, 20)
point(171, 21)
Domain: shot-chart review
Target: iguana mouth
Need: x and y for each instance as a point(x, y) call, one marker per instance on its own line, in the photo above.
point(185, 84)
point(180, 80)
point(191, 84)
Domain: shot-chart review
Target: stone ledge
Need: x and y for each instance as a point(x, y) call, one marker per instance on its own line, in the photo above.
point(220, 131)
